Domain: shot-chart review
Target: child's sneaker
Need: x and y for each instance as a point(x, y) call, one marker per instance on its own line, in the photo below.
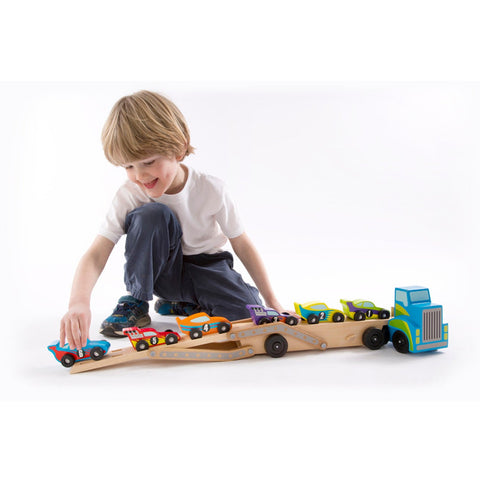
point(183, 309)
point(129, 312)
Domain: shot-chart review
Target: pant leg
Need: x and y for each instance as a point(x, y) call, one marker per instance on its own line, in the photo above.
point(219, 290)
point(153, 253)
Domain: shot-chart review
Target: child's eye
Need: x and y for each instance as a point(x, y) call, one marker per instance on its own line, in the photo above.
point(149, 163)
point(127, 167)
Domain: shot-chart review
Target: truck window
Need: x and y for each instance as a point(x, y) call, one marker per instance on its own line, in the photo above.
point(420, 296)
point(401, 297)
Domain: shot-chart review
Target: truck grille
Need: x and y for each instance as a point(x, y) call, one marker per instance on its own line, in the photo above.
point(432, 325)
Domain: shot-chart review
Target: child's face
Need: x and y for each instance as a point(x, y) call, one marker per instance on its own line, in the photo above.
point(157, 174)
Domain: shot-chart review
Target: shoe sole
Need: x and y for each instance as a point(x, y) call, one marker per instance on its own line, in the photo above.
point(109, 331)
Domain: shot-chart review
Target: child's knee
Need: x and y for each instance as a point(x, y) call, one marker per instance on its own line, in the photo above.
point(151, 216)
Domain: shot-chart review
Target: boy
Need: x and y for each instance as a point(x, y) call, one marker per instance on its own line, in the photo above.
point(176, 221)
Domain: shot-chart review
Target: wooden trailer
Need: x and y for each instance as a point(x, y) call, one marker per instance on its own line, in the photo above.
point(246, 339)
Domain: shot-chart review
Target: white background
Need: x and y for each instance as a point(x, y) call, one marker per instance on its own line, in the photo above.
point(349, 184)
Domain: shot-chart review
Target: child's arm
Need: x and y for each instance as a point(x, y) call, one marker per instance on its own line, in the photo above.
point(248, 254)
point(76, 322)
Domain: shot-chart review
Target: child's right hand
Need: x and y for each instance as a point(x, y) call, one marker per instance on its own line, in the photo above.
point(75, 326)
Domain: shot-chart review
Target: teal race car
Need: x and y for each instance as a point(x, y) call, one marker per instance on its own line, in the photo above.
point(315, 312)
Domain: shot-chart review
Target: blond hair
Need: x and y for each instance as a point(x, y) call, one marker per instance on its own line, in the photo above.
point(144, 124)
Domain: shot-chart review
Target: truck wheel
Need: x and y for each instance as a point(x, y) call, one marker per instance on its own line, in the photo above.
point(97, 353)
point(338, 317)
point(358, 316)
point(373, 338)
point(196, 333)
point(312, 318)
point(400, 342)
point(141, 345)
point(67, 360)
point(171, 338)
point(384, 314)
point(223, 327)
point(276, 346)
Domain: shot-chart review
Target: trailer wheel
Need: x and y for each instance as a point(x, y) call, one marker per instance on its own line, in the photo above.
point(97, 353)
point(67, 360)
point(373, 338)
point(312, 318)
point(386, 334)
point(400, 342)
point(276, 346)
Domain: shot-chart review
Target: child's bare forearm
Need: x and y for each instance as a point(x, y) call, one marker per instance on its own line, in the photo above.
point(249, 256)
point(89, 270)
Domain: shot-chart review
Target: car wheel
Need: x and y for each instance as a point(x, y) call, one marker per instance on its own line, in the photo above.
point(141, 345)
point(264, 321)
point(97, 353)
point(196, 333)
point(373, 338)
point(276, 346)
point(384, 314)
point(338, 317)
point(170, 339)
point(312, 319)
point(400, 342)
point(359, 316)
point(67, 360)
point(223, 327)
point(291, 320)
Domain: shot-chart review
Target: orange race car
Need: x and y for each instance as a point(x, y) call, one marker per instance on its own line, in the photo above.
point(201, 324)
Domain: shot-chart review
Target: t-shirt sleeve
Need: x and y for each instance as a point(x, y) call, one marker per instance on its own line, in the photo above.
point(125, 200)
point(228, 216)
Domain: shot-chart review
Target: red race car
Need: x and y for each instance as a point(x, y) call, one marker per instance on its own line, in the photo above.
point(144, 338)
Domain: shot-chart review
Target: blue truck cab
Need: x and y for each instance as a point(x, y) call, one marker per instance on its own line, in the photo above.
point(417, 325)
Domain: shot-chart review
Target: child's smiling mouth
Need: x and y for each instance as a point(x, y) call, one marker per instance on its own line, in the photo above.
point(151, 184)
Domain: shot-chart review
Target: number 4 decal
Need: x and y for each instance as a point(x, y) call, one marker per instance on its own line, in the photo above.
point(206, 327)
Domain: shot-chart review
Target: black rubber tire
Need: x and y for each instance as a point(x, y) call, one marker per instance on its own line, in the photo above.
point(373, 338)
point(276, 345)
point(97, 353)
point(400, 342)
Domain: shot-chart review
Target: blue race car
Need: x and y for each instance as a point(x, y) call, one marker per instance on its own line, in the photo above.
point(95, 350)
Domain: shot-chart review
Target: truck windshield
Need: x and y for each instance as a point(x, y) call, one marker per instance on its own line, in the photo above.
point(420, 296)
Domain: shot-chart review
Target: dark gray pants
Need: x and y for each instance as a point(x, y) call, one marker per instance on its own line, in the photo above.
point(155, 265)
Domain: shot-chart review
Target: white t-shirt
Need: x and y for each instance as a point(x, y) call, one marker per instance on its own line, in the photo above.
point(204, 209)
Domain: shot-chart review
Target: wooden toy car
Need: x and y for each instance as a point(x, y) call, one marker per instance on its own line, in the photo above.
point(144, 338)
point(95, 349)
point(200, 324)
point(261, 315)
point(362, 309)
point(315, 312)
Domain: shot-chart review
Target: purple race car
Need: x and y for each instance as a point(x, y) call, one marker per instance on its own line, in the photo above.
point(362, 309)
point(261, 315)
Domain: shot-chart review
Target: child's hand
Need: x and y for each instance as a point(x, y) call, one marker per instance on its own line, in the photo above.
point(75, 325)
